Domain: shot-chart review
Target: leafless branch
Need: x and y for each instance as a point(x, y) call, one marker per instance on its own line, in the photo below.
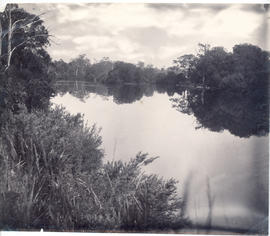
point(21, 20)
point(20, 44)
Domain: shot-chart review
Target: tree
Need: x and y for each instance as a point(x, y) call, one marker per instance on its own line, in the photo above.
point(22, 30)
point(140, 64)
point(79, 66)
point(185, 64)
point(124, 73)
point(98, 72)
point(207, 68)
point(25, 71)
point(61, 70)
point(252, 63)
point(247, 66)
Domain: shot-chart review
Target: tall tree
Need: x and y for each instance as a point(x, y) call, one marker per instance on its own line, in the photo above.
point(25, 62)
point(185, 64)
point(20, 29)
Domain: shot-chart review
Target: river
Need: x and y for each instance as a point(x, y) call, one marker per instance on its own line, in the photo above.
point(221, 158)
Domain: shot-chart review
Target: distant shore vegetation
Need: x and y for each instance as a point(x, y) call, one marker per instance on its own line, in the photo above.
point(246, 67)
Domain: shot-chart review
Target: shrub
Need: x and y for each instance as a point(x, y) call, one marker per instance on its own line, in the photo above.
point(53, 178)
point(42, 155)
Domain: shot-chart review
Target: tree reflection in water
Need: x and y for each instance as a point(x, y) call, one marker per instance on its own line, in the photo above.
point(242, 112)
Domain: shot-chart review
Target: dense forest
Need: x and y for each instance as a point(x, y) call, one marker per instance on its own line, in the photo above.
point(51, 164)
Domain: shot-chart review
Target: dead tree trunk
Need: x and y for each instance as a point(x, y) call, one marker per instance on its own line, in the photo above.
point(1, 32)
point(9, 35)
point(11, 28)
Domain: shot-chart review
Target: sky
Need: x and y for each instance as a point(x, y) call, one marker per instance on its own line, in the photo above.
point(153, 33)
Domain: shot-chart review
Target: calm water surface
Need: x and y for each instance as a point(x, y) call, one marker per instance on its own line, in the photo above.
point(148, 121)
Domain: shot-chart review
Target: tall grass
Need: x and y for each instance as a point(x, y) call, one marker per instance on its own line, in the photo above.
point(53, 177)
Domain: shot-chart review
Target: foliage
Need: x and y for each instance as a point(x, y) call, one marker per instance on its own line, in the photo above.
point(42, 154)
point(231, 89)
point(247, 67)
point(104, 71)
point(81, 69)
point(52, 176)
point(124, 73)
point(253, 64)
point(184, 64)
point(142, 201)
point(98, 72)
point(27, 80)
point(27, 33)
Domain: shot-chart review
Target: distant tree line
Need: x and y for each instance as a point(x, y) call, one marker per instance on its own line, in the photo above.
point(247, 66)
point(106, 71)
point(51, 165)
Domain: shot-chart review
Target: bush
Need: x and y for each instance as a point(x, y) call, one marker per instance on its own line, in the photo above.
point(42, 155)
point(53, 178)
point(133, 200)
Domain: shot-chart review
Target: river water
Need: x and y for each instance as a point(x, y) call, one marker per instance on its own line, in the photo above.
point(222, 156)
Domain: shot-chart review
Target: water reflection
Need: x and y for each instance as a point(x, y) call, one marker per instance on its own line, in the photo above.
point(129, 94)
point(241, 113)
point(121, 93)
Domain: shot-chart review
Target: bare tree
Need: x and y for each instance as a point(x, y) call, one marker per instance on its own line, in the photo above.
point(21, 24)
point(1, 33)
point(9, 6)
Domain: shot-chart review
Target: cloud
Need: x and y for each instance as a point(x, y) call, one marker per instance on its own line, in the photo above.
point(154, 33)
point(225, 23)
point(151, 36)
point(2, 6)
point(93, 40)
point(256, 8)
point(64, 37)
point(188, 7)
point(261, 33)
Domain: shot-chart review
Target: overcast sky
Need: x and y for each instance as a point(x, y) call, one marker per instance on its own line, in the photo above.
point(153, 33)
